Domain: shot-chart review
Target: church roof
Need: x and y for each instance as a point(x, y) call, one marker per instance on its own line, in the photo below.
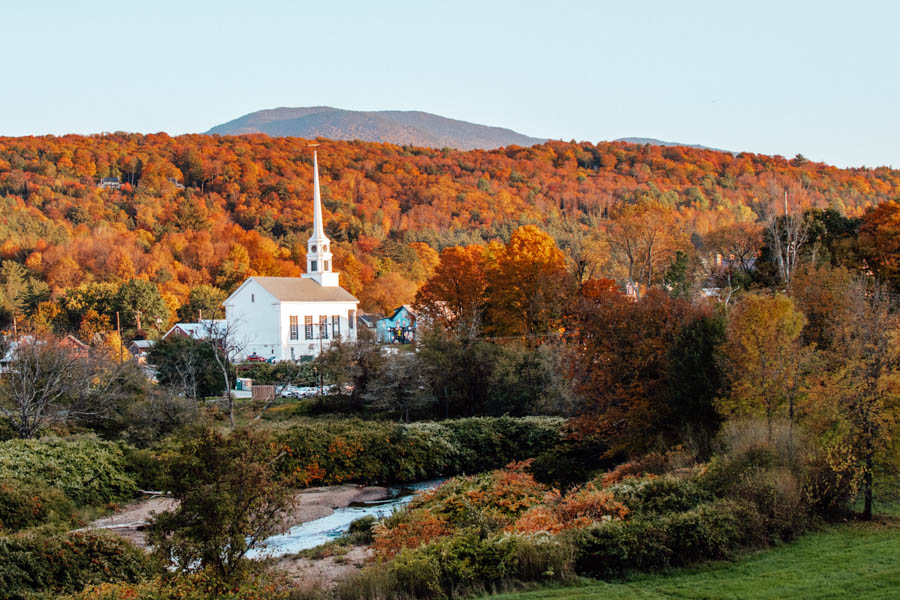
point(303, 289)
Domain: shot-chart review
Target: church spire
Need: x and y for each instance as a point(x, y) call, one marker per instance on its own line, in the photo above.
point(318, 228)
point(318, 248)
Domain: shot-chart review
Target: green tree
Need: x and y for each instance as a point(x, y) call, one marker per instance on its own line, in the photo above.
point(205, 300)
point(695, 381)
point(139, 299)
point(230, 499)
point(676, 277)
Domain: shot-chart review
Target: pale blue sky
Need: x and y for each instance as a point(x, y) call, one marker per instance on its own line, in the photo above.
point(818, 78)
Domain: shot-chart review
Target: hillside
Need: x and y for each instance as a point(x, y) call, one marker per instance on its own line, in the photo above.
point(413, 128)
point(246, 206)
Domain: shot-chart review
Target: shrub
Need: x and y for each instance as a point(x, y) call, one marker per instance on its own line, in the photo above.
point(65, 563)
point(713, 530)
point(570, 462)
point(407, 529)
point(657, 495)
point(463, 564)
point(28, 504)
point(579, 508)
point(619, 547)
point(361, 531)
point(88, 471)
point(778, 497)
point(203, 585)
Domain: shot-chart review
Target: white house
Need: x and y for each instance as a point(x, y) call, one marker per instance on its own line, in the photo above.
point(294, 318)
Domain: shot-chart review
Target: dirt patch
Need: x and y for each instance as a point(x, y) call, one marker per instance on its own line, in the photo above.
point(130, 521)
point(325, 572)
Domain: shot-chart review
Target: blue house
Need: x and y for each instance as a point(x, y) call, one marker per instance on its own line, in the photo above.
point(399, 328)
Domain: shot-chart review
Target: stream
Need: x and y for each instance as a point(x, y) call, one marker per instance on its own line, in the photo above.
point(320, 531)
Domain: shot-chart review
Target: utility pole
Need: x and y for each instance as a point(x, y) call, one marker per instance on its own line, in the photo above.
point(15, 329)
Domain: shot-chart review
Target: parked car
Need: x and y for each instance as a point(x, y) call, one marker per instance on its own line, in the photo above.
point(256, 358)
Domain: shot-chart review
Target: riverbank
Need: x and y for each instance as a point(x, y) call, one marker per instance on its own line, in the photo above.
point(310, 504)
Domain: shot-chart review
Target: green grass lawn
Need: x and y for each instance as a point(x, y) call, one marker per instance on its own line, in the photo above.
point(859, 561)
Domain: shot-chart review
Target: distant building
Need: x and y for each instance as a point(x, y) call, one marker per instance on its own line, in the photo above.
point(78, 347)
point(139, 350)
point(399, 328)
point(369, 321)
point(198, 331)
point(294, 318)
point(176, 183)
point(110, 182)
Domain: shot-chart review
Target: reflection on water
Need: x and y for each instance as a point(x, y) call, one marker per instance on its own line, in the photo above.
point(320, 531)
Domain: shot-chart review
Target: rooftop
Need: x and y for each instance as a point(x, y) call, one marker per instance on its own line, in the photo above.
point(303, 289)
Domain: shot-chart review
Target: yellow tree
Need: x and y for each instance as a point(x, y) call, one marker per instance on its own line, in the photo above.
point(860, 393)
point(528, 282)
point(764, 354)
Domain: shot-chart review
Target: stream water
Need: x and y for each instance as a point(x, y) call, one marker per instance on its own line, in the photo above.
point(320, 531)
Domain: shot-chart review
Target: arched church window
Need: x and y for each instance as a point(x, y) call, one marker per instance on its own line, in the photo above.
point(313, 249)
point(325, 248)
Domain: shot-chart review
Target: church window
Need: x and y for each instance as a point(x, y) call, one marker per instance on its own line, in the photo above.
point(295, 328)
point(313, 249)
point(324, 265)
point(351, 319)
point(313, 265)
point(336, 325)
point(323, 327)
point(252, 297)
point(308, 324)
point(325, 248)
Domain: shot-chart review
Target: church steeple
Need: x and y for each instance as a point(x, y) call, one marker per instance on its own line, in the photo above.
point(318, 248)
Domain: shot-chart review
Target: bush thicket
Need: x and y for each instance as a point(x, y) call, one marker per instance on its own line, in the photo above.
point(88, 471)
point(32, 563)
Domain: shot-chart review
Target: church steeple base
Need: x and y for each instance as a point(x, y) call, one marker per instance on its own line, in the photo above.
point(324, 278)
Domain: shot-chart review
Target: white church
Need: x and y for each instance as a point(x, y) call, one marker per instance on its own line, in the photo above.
point(294, 318)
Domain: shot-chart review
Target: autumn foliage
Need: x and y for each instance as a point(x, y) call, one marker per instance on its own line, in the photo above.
point(202, 210)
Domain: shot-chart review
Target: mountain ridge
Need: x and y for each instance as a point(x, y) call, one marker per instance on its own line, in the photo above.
point(417, 128)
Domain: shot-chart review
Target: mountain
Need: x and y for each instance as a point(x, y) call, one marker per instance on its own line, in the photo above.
point(655, 142)
point(393, 126)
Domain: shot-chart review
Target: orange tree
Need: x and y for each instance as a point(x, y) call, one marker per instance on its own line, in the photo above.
point(528, 285)
point(879, 240)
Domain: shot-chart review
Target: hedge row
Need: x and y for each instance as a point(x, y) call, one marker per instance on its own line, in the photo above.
point(351, 450)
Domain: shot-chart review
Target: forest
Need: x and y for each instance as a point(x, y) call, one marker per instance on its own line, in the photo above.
point(195, 215)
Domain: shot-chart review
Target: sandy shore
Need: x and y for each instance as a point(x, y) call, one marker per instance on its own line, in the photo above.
point(313, 503)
